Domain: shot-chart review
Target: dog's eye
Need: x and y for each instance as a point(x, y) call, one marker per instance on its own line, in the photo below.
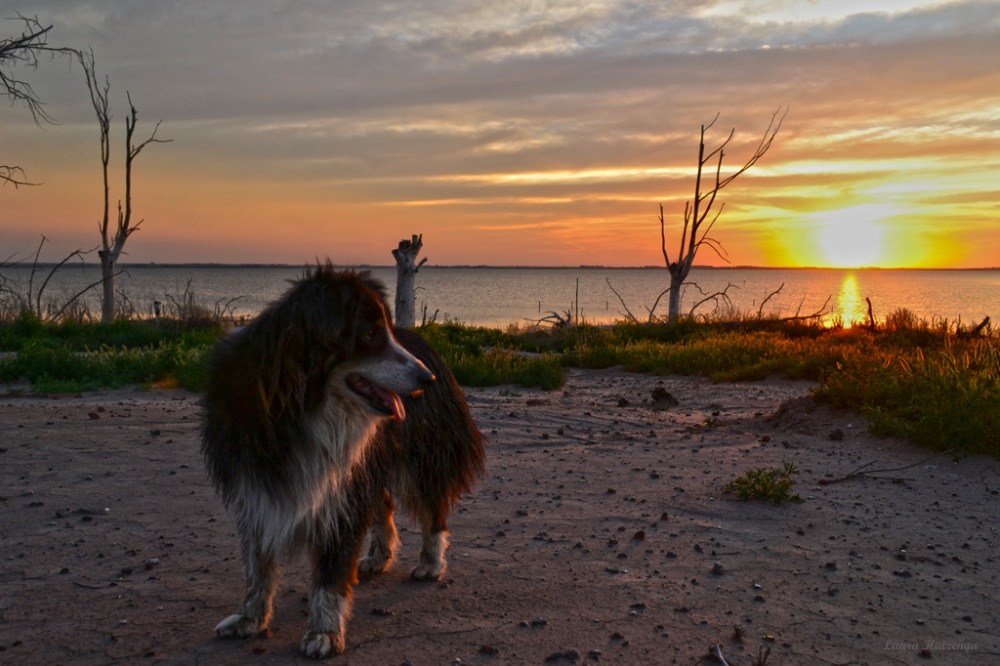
point(371, 335)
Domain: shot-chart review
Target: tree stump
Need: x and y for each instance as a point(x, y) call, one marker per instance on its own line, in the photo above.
point(406, 273)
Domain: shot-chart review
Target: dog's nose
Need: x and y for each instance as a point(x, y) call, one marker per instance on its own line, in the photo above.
point(426, 377)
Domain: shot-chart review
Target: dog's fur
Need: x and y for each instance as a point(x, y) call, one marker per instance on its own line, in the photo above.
point(303, 439)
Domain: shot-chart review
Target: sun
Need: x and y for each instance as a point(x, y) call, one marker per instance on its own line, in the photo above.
point(853, 237)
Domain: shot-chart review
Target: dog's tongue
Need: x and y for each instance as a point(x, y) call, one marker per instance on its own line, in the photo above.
point(381, 400)
point(392, 401)
point(396, 404)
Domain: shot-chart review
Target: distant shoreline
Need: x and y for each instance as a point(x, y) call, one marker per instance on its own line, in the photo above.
point(126, 265)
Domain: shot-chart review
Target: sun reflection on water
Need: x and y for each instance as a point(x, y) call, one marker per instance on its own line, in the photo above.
point(851, 308)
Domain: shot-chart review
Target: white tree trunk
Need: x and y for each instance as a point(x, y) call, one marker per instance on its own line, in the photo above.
point(108, 284)
point(406, 273)
point(674, 306)
point(678, 274)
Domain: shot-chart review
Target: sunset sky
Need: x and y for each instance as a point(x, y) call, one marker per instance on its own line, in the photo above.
point(517, 132)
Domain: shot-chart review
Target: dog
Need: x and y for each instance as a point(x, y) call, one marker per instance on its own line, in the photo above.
point(318, 413)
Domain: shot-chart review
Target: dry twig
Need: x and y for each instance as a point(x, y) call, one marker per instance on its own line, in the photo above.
point(859, 472)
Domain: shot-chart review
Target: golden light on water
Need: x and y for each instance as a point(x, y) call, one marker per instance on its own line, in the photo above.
point(851, 308)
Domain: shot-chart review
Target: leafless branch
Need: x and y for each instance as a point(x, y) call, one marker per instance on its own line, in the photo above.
point(652, 310)
point(663, 239)
point(34, 269)
point(99, 100)
point(83, 291)
point(864, 471)
point(700, 212)
point(977, 330)
point(38, 297)
point(554, 319)
point(815, 315)
point(724, 295)
point(631, 317)
point(13, 175)
point(760, 310)
point(25, 50)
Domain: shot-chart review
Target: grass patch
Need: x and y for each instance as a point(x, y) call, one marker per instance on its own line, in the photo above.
point(938, 386)
point(490, 357)
point(61, 370)
point(83, 336)
point(768, 485)
point(945, 399)
point(70, 356)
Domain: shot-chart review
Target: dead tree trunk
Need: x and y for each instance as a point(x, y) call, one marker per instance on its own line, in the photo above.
point(113, 240)
point(697, 211)
point(406, 273)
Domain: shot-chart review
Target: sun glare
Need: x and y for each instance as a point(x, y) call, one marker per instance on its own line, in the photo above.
point(853, 237)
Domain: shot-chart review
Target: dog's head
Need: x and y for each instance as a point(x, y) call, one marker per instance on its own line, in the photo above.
point(331, 332)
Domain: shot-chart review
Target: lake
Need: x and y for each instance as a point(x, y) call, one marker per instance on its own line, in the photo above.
point(488, 296)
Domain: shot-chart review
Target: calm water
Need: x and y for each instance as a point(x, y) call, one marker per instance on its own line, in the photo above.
point(499, 296)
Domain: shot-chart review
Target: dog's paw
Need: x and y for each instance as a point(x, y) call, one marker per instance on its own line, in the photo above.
point(373, 564)
point(382, 549)
point(432, 557)
point(238, 626)
point(320, 645)
point(428, 570)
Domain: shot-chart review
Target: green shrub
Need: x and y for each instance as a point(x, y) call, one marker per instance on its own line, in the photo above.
point(771, 485)
point(946, 400)
point(503, 366)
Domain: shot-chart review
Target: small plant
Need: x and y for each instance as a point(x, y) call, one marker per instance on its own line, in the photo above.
point(774, 485)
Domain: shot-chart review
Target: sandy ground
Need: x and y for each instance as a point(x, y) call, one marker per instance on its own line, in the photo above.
point(600, 535)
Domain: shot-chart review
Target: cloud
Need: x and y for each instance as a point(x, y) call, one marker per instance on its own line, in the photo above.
point(517, 101)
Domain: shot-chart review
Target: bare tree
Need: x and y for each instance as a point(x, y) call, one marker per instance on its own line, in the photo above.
point(698, 211)
point(24, 49)
point(113, 239)
point(406, 273)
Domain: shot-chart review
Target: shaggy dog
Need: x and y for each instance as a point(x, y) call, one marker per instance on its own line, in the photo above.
point(313, 414)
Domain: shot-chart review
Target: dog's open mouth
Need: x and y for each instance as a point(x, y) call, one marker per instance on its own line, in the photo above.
point(381, 401)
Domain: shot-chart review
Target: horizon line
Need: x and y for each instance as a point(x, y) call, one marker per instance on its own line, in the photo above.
point(214, 264)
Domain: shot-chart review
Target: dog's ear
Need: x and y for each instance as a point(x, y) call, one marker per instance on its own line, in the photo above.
point(295, 340)
point(330, 336)
point(377, 289)
point(322, 319)
point(282, 371)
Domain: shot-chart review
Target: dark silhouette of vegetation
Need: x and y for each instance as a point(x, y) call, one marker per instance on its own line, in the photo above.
point(113, 238)
point(25, 50)
point(700, 213)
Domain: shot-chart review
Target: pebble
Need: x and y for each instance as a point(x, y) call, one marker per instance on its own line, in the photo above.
point(565, 655)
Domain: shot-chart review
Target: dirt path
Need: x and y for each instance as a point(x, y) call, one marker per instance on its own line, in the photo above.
point(601, 535)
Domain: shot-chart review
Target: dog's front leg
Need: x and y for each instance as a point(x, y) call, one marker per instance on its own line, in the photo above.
point(261, 579)
point(328, 613)
point(335, 570)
